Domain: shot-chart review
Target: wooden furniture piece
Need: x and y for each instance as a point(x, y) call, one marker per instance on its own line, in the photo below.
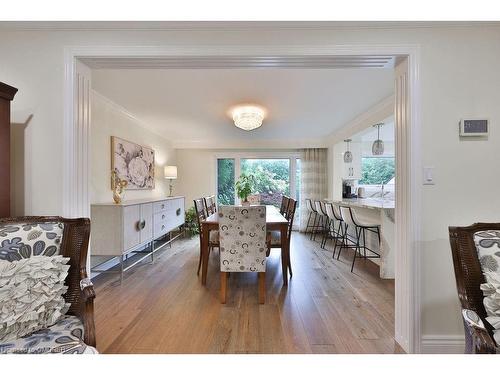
point(274, 221)
point(274, 240)
point(469, 277)
point(129, 227)
point(74, 245)
point(210, 205)
point(199, 207)
point(243, 237)
point(6, 95)
point(284, 204)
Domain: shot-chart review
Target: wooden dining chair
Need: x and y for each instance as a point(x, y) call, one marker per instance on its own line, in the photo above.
point(274, 237)
point(210, 205)
point(199, 207)
point(284, 204)
point(243, 244)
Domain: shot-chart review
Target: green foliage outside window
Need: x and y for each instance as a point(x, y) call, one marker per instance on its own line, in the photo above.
point(225, 181)
point(270, 175)
point(376, 171)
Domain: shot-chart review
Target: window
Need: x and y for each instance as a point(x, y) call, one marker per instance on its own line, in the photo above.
point(225, 181)
point(271, 178)
point(377, 170)
point(275, 176)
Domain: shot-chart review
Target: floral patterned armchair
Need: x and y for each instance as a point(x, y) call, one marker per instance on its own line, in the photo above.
point(22, 237)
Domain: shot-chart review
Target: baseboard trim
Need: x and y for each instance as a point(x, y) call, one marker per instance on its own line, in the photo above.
point(442, 344)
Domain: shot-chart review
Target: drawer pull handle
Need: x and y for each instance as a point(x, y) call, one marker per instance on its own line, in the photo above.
point(163, 216)
point(163, 227)
point(141, 224)
point(162, 206)
point(178, 212)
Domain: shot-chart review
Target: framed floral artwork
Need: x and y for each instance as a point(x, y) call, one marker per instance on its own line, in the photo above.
point(133, 163)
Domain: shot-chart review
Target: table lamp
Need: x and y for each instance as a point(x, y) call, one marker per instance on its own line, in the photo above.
point(171, 174)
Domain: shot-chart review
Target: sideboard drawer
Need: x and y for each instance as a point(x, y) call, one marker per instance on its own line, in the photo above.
point(160, 224)
point(160, 206)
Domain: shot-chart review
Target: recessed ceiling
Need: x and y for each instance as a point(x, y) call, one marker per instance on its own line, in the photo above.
point(191, 105)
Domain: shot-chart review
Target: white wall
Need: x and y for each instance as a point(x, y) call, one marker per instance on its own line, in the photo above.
point(459, 77)
point(109, 119)
point(196, 174)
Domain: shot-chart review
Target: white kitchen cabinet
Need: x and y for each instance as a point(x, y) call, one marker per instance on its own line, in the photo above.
point(352, 171)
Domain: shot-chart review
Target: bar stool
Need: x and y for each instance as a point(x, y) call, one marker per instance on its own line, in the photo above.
point(358, 242)
point(323, 222)
point(335, 232)
point(312, 215)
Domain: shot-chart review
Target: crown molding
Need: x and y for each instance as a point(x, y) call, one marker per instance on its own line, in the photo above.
point(233, 25)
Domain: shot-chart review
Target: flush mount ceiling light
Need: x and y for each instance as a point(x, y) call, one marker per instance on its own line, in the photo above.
point(378, 145)
point(347, 153)
point(248, 117)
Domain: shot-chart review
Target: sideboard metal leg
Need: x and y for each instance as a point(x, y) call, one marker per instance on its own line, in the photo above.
point(121, 269)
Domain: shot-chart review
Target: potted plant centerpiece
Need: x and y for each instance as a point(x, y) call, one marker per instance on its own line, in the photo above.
point(244, 187)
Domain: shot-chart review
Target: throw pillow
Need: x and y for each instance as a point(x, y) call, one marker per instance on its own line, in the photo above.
point(488, 249)
point(20, 241)
point(31, 292)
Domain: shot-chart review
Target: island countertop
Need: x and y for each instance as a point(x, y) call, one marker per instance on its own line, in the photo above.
point(365, 202)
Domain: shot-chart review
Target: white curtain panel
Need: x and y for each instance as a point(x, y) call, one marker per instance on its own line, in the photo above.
point(314, 180)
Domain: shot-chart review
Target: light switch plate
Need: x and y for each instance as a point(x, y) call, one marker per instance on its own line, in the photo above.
point(429, 176)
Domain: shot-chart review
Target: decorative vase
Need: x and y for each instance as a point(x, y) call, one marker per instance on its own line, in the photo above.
point(118, 187)
point(245, 202)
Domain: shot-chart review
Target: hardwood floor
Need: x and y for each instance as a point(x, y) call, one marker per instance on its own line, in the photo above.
point(163, 308)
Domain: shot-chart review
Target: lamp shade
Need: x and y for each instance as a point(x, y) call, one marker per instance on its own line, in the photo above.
point(171, 172)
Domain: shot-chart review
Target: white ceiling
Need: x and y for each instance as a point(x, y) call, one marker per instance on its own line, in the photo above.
point(386, 132)
point(190, 106)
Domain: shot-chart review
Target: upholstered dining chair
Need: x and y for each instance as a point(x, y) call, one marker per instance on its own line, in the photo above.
point(26, 237)
point(199, 207)
point(274, 240)
point(210, 205)
point(243, 244)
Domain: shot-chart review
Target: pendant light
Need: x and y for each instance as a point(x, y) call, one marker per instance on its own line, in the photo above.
point(347, 153)
point(378, 145)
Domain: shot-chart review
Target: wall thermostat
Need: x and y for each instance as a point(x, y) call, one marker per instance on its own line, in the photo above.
point(473, 128)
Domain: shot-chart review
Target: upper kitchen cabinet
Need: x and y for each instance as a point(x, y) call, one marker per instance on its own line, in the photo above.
point(352, 170)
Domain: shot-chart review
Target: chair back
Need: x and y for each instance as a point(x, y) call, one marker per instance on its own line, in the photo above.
point(210, 205)
point(468, 274)
point(310, 205)
point(290, 214)
point(284, 204)
point(346, 214)
point(242, 238)
point(332, 212)
point(199, 207)
point(319, 208)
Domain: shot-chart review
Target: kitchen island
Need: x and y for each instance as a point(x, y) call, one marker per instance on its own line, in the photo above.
point(376, 211)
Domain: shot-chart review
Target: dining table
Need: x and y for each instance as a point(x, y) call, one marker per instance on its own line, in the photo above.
point(275, 221)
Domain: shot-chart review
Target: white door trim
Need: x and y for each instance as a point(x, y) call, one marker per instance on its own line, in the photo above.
point(76, 174)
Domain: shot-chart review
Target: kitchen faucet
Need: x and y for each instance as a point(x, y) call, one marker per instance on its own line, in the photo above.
point(382, 191)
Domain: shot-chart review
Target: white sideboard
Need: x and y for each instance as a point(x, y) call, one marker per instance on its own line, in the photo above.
point(119, 229)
